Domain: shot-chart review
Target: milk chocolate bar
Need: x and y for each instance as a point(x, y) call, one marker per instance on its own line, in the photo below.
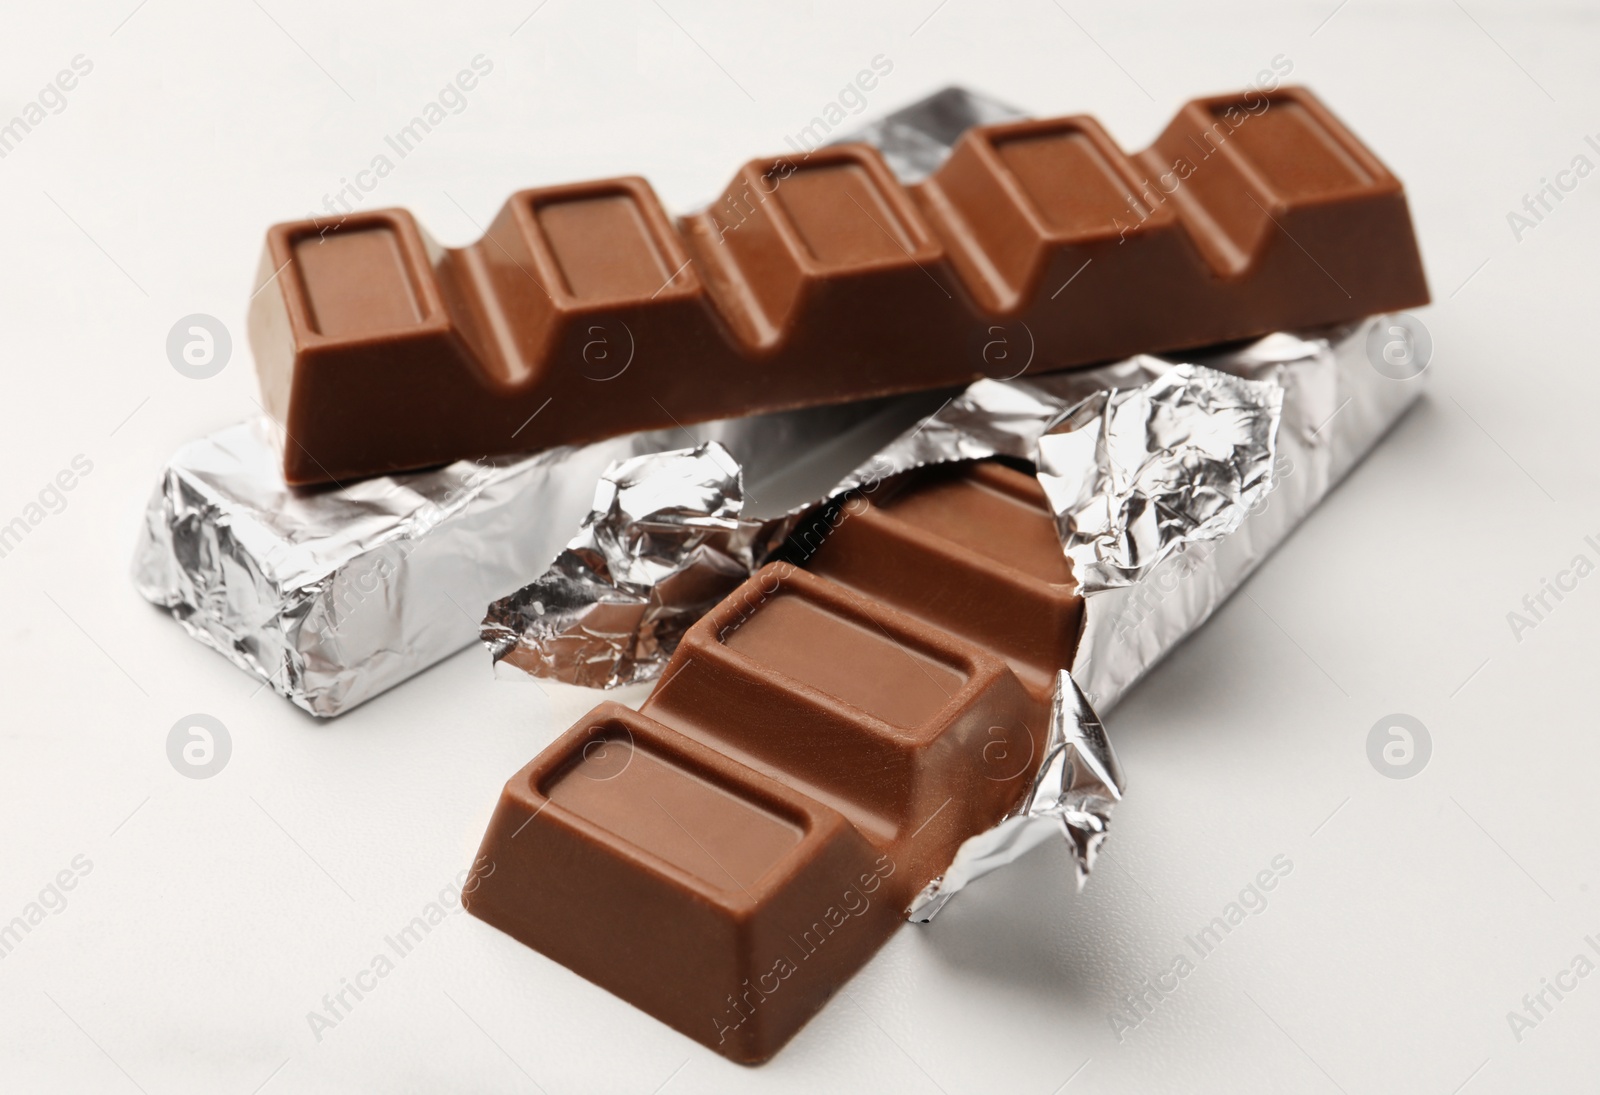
point(585, 311)
point(817, 749)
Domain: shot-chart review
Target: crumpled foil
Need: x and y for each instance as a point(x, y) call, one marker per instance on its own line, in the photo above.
point(1071, 799)
point(331, 597)
point(665, 542)
point(1333, 408)
point(1170, 479)
point(1336, 406)
point(1133, 475)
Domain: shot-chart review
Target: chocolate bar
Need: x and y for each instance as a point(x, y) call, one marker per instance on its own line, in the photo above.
point(585, 311)
point(817, 749)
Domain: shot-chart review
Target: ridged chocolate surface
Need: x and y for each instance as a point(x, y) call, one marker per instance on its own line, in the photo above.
point(585, 311)
point(817, 749)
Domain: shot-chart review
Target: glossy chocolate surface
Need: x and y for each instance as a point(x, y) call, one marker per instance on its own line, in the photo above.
point(817, 749)
point(585, 311)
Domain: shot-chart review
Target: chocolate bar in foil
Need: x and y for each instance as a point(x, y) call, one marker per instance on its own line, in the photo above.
point(332, 597)
point(1168, 479)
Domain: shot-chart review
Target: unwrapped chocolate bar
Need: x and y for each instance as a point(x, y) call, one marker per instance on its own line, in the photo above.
point(586, 311)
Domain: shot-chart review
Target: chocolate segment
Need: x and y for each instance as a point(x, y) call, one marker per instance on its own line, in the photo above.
point(972, 550)
point(813, 756)
point(586, 312)
point(695, 888)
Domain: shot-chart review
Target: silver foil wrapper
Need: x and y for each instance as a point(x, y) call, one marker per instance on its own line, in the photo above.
point(1170, 479)
point(1134, 474)
point(332, 597)
point(1336, 405)
point(1071, 799)
point(916, 139)
point(665, 541)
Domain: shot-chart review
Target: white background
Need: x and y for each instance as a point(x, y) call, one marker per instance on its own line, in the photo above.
point(217, 913)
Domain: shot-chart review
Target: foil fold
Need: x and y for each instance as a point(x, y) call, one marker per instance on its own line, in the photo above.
point(1133, 475)
point(665, 541)
point(332, 597)
point(1078, 783)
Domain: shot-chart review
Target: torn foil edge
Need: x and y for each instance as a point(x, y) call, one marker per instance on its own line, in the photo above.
point(1133, 475)
point(1176, 454)
point(664, 542)
point(333, 597)
point(1077, 785)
